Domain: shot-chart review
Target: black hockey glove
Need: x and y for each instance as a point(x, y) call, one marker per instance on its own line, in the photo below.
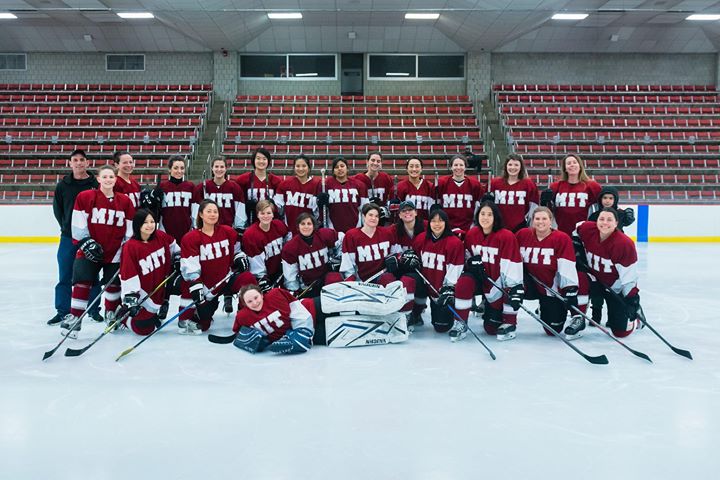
point(488, 197)
point(516, 295)
point(547, 198)
point(474, 266)
point(391, 264)
point(92, 250)
point(250, 206)
point(447, 296)
point(323, 199)
point(571, 297)
point(632, 307)
point(580, 255)
point(131, 302)
point(394, 205)
point(628, 217)
point(176, 263)
point(241, 263)
point(384, 215)
point(376, 200)
point(196, 292)
point(264, 284)
point(409, 260)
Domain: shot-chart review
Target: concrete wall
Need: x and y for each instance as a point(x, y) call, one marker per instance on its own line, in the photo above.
point(90, 68)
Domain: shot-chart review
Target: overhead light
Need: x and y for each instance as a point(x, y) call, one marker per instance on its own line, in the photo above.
point(87, 37)
point(314, 74)
point(422, 16)
point(7, 16)
point(614, 38)
point(570, 16)
point(397, 74)
point(135, 15)
point(701, 16)
point(285, 16)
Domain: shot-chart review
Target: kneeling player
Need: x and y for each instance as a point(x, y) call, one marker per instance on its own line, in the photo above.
point(147, 260)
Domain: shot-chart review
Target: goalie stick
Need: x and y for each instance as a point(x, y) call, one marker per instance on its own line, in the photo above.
point(597, 360)
point(127, 351)
point(76, 352)
point(641, 316)
point(457, 315)
point(589, 319)
point(50, 353)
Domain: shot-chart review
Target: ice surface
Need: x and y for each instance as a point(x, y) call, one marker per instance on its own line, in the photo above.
point(181, 407)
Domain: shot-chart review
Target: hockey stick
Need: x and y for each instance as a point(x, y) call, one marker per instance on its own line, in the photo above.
point(324, 208)
point(598, 360)
point(589, 319)
point(193, 304)
point(50, 353)
point(641, 316)
point(457, 315)
point(76, 352)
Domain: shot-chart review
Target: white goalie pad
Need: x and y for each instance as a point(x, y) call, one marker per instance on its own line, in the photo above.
point(362, 298)
point(363, 330)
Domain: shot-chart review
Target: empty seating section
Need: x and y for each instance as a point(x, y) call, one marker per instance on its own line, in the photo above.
point(431, 128)
point(659, 143)
point(41, 124)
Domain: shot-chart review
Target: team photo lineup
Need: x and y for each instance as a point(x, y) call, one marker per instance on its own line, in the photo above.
point(341, 259)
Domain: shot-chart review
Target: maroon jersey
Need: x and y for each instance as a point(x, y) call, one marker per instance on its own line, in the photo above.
point(263, 248)
point(423, 195)
point(551, 260)
point(260, 189)
point(107, 221)
point(515, 201)
point(307, 262)
point(460, 200)
point(131, 189)
point(296, 198)
point(280, 312)
point(344, 203)
point(572, 202)
point(381, 187)
point(500, 256)
point(402, 238)
point(228, 196)
point(364, 256)
point(442, 259)
point(176, 211)
point(613, 262)
point(144, 265)
point(207, 259)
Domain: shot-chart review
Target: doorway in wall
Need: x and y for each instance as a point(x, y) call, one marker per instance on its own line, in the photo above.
point(351, 73)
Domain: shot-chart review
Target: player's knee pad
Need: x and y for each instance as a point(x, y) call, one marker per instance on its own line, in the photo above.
point(492, 319)
point(441, 318)
point(144, 326)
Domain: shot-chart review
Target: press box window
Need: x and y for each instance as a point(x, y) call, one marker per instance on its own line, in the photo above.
point(392, 66)
point(263, 66)
point(13, 61)
point(441, 66)
point(312, 66)
point(125, 62)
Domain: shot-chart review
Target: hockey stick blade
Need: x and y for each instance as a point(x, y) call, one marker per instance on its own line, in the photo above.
point(220, 339)
point(679, 351)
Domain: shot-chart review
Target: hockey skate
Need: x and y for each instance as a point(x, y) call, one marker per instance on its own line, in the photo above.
point(163, 311)
point(227, 305)
point(458, 331)
point(574, 330)
point(58, 318)
point(70, 326)
point(414, 320)
point(96, 316)
point(188, 327)
point(506, 331)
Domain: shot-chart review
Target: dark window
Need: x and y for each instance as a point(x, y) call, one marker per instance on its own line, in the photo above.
point(392, 66)
point(12, 61)
point(125, 62)
point(312, 66)
point(434, 66)
point(263, 66)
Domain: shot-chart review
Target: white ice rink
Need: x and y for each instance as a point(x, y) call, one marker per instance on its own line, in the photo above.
point(182, 408)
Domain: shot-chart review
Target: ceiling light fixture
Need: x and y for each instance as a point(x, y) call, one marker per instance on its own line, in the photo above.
point(422, 16)
point(285, 16)
point(7, 16)
point(570, 16)
point(703, 16)
point(135, 15)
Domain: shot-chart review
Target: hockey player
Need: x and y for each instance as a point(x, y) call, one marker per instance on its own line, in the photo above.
point(571, 198)
point(258, 184)
point(274, 320)
point(612, 261)
point(492, 252)
point(147, 259)
point(226, 194)
point(298, 194)
point(378, 184)
point(208, 254)
point(549, 256)
point(344, 198)
point(459, 195)
point(124, 165)
point(441, 254)
point(175, 206)
point(515, 194)
point(307, 256)
point(101, 223)
point(408, 225)
point(417, 189)
point(263, 242)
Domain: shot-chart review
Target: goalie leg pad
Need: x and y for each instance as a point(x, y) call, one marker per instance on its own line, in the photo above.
point(363, 298)
point(362, 330)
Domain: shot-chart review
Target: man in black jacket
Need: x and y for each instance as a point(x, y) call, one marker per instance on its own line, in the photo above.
point(65, 192)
